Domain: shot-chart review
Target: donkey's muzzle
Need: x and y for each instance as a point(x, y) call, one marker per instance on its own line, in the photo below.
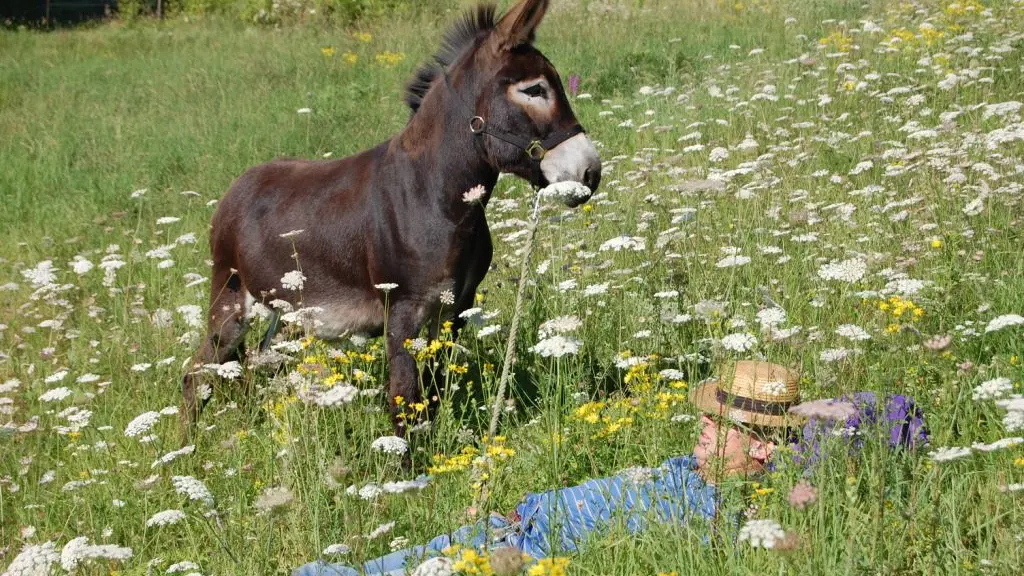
point(592, 176)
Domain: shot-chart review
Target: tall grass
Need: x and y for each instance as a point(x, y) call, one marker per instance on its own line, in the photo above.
point(91, 116)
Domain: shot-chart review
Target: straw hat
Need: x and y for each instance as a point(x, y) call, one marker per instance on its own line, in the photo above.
point(752, 392)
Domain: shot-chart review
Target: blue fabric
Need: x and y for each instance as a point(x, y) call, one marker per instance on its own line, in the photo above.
point(670, 493)
point(394, 564)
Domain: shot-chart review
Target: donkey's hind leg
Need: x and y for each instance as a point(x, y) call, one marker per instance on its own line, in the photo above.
point(224, 341)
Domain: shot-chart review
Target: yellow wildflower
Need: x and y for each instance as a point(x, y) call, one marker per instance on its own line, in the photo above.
point(838, 41)
point(549, 567)
point(472, 563)
point(388, 58)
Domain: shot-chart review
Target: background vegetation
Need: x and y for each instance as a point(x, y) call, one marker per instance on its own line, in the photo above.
point(118, 138)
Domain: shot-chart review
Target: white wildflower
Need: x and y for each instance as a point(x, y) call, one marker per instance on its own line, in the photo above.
point(1000, 444)
point(732, 261)
point(380, 530)
point(229, 370)
point(834, 354)
point(390, 445)
point(43, 274)
point(437, 566)
point(337, 395)
point(992, 389)
point(192, 314)
point(718, 154)
point(488, 330)
point(398, 543)
point(848, 271)
point(564, 191)
point(173, 455)
point(619, 243)
point(557, 346)
point(739, 342)
point(774, 388)
point(194, 488)
point(559, 325)
point(474, 194)
point(56, 377)
point(1004, 321)
point(141, 424)
point(761, 533)
point(771, 317)
point(293, 280)
point(81, 266)
point(55, 395)
point(182, 567)
point(79, 549)
point(975, 207)
point(853, 332)
point(165, 518)
point(447, 297)
point(274, 499)
point(946, 454)
point(33, 560)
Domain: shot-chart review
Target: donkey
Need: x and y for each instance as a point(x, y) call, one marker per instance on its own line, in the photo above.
point(396, 214)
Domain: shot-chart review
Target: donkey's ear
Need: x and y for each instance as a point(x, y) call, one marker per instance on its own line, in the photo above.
point(517, 25)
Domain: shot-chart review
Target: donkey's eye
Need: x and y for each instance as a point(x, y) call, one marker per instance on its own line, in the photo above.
point(535, 91)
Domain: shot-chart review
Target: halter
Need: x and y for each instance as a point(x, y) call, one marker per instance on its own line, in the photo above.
point(535, 149)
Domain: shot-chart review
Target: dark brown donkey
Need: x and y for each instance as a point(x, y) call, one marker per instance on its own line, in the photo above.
point(490, 103)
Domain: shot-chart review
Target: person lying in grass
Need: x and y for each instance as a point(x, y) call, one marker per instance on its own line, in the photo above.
point(747, 415)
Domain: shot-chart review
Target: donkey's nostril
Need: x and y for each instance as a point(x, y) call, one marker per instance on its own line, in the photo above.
point(592, 177)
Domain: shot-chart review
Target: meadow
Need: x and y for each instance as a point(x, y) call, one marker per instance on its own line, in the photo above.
point(829, 185)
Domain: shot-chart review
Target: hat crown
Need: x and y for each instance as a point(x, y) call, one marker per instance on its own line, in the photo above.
point(761, 381)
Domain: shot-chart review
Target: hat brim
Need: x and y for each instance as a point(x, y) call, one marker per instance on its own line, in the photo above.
point(704, 397)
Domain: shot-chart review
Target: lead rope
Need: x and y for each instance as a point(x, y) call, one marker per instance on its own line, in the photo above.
point(510, 346)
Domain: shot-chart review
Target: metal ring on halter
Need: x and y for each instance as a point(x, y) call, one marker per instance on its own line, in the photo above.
point(536, 151)
point(476, 124)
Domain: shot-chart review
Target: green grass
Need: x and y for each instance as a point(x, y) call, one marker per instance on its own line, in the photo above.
point(88, 116)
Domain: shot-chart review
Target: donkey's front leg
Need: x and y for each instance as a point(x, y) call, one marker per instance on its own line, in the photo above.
point(402, 325)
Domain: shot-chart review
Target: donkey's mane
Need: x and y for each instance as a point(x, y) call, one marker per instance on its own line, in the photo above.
point(474, 23)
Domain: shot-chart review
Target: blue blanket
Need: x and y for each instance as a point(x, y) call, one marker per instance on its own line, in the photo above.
point(671, 492)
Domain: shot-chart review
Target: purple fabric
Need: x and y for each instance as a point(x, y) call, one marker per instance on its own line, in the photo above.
point(902, 418)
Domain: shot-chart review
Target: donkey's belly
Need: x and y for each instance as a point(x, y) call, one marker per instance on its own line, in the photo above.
point(345, 317)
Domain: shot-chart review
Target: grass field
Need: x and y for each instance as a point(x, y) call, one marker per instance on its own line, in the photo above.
point(865, 226)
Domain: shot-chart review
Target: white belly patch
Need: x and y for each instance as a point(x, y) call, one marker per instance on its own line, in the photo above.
point(338, 319)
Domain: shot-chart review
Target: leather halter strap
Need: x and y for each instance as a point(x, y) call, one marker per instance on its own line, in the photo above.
point(535, 149)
